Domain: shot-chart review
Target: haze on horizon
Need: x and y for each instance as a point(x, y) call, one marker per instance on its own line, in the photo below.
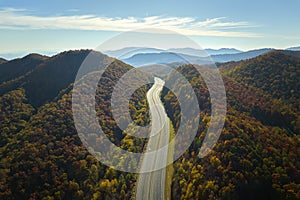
point(49, 28)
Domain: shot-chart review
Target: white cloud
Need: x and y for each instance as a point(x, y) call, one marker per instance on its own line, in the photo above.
point(14, 19)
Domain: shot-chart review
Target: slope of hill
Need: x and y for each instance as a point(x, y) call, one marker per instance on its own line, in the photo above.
point(275, 73)
point(47, 79)
point(2, 60)
point(15, 114)
point(248, 162)
point(291, 53)
point(41, 155)
point(18, 67)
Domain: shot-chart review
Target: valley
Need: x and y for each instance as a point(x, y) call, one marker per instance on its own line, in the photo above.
point(257, 155)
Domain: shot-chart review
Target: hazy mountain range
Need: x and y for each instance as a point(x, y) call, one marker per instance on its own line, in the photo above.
point(130, 51)
point(294, 48)
point(151, 56)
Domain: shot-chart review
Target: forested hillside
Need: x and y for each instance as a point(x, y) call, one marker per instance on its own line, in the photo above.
point(49, 76)
point(276, 76)
point(42, 156)
point(12, 69)
point(256, 157)
point(251, 160)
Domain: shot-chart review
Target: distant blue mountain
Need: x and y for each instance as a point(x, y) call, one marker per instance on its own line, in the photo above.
point(140, 56)
point(294, 48)
point(190, 51)
point(240, 56)
point(119, 52)
point(127, 52)
point(143, 59)
point(131, 51)
point(223, 51)
point(204, 52)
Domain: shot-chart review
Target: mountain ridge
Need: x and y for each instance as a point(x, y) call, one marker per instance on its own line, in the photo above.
point(48, 78)
point(297, 48)
point(2, 60)
point(17, 67)
point(142, 59)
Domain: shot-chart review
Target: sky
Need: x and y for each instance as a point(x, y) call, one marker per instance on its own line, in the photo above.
point(49, 27)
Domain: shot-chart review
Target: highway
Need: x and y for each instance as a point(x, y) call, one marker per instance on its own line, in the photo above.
point(151, 184)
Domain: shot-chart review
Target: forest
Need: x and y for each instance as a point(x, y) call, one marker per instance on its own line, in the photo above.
point(256, 157)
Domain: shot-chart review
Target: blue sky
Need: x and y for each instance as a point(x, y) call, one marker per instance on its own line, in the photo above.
point(54, 26)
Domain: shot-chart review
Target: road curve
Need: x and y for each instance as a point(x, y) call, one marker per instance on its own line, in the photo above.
point(151, 185)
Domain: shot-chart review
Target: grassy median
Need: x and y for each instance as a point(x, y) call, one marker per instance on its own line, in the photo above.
point(169, 169)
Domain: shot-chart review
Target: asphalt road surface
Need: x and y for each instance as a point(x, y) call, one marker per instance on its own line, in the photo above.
point(151, 185)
